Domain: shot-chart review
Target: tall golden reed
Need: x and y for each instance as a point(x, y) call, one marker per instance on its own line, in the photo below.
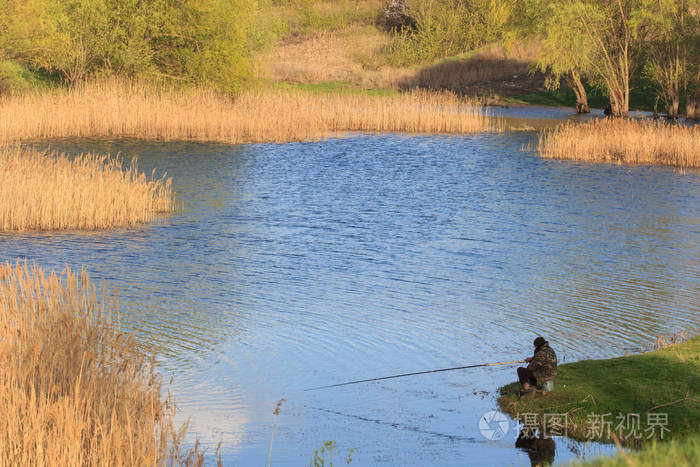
point(74, 389)
point(625, 141)
point(42, 191)
point(114, 109)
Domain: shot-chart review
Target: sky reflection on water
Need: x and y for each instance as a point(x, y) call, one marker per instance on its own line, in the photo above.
point(304, 264)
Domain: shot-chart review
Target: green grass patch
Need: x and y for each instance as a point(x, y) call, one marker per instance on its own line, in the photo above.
point(678, 453)
point(640, 99)
point(329, 87)
point(649, 383)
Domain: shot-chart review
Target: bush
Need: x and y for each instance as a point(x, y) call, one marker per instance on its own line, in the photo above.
point(16, 78)
point(191, 41)
point(443, 28)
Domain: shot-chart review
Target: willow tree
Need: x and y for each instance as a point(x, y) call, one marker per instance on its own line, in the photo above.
point(693, 95)
point(617, 35)
point(673, 31)
point(76, 37)
point(563, 55)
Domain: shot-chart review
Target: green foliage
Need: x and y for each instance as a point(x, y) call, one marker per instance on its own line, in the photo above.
point(203, 41)
point(302, 17)
point(192, 41)
point(562, 51)
point(671, 53)
point(16, 78)
point(607, 43)
point(445, 28)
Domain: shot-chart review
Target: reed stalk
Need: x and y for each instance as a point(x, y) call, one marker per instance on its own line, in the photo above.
point(41, 191)
point(624, 141)
point(74, 389)
point(124, 109)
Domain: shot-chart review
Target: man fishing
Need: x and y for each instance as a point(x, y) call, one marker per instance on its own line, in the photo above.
point(541, 368)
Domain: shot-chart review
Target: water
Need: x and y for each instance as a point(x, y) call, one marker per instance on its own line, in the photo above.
point(298, 265)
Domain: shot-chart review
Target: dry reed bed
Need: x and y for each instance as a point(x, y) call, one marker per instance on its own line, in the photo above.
point(75, 391)
point(41, 191)
point(122, 109)
point(624, 141)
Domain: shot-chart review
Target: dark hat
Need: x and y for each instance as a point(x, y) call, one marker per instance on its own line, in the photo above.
point(539, 342)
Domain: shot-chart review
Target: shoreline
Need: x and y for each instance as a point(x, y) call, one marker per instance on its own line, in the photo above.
point(641, 401)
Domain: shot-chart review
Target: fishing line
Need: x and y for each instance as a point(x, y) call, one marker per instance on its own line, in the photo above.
point(413, 374)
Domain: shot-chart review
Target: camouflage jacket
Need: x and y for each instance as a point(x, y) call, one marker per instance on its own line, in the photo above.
point(544, 363)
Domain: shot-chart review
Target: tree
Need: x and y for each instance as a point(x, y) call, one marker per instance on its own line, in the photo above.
point(204, 41)
point(192, 41)
point(21, 28)
point(693, 95)
point(614, 29)
point(672, 25)
point(75, 38)
point(563, 55)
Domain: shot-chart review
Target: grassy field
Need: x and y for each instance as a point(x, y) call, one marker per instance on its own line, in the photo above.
point(42, 191)
point(75, 390)
point(624, 141)
point(661, 387)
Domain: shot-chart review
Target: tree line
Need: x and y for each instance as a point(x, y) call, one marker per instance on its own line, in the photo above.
point(190, 41)
point(610, 44)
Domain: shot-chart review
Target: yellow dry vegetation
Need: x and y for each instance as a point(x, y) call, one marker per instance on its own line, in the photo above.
point(349, 56)
point(625, 141)
point(490, 69)
point(74, 389)
point(353, 56)
point(49, 191)
point(117, 109)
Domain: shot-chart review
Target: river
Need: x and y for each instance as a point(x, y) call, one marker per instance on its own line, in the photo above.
point(297, 265)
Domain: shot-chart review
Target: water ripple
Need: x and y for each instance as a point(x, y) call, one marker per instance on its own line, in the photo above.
point(306, 264)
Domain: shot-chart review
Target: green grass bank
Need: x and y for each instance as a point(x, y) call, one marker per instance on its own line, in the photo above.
point(644, 400)
point(682, 453)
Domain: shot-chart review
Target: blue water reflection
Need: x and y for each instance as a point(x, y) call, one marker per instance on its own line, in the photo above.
point(297, 265)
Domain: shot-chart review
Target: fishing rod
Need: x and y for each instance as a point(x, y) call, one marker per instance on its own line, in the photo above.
point(413, 374)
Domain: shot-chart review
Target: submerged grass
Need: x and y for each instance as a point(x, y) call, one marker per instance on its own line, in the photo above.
point(122, 109)
point(41, 191)
point(75, 390)
point(626, 141)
